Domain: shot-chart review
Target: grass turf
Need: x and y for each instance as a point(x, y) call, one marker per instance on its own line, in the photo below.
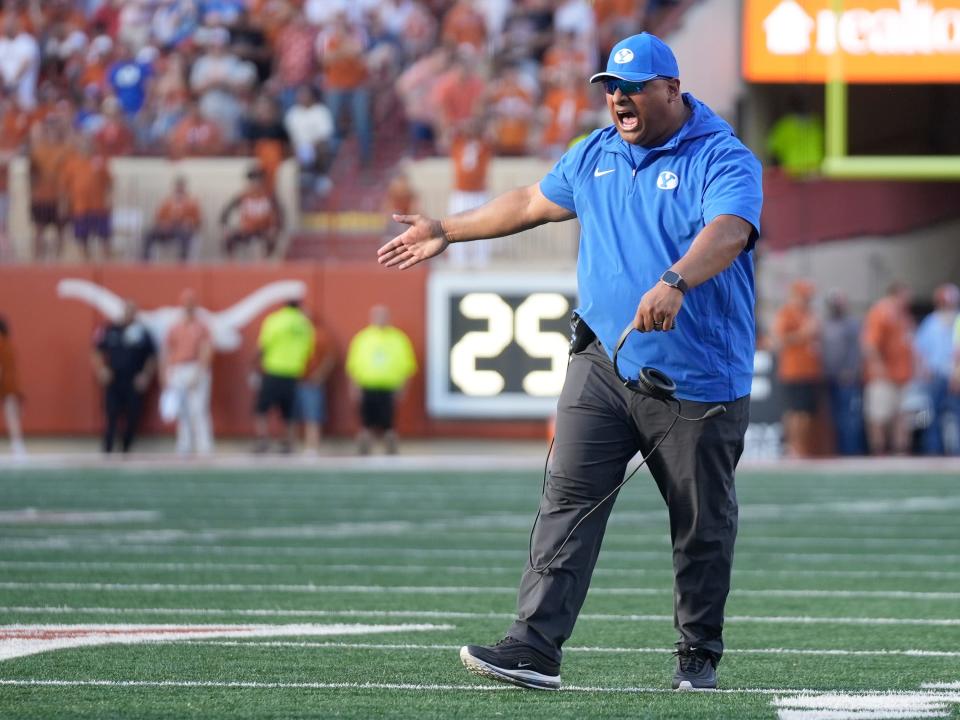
point(838, 563)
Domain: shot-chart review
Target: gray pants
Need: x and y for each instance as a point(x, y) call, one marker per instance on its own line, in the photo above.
point(600, 426)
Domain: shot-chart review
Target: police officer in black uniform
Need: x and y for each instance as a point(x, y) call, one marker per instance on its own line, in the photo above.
point(124, 360)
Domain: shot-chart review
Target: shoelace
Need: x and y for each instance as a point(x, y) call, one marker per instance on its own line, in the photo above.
point(691, 661)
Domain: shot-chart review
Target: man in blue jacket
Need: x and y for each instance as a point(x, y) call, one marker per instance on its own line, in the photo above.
point(669, 205)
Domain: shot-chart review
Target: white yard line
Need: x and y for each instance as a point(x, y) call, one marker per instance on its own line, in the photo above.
point(453, 590)
point(589, 649)
point(512, 570)
point(73, 545)
point(418, 687)
point(452, 614)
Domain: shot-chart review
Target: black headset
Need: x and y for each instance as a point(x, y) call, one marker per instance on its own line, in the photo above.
point(656, 384)
point(651, 383)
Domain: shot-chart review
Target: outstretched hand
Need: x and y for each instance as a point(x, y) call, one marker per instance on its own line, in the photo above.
point(423, 240)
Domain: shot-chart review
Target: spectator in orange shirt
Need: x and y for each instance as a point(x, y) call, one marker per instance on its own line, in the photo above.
point(415, 87)
point(463, 25)
point(342, 51)
point(470, 153)
point(887, 343)
point(310, 405)
point(177, 220)
point(49, 151)
point(259, 216)
point(195, 136)
point(797, 335)
point(511, 106)
point(87, 187)
point(564, 108)
point(617, 19)
point(10, 395)
point(114, 137)
point(266, 138)
point(14, 130)
point(457, 96)
point(565, 56)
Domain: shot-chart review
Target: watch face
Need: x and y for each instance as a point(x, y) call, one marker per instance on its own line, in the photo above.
point(671, 278)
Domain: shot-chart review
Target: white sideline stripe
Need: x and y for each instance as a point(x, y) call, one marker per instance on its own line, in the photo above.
point(452, 590)
point(589, 649)
point(941, 686)
point(35, 516)
point(238, 684)
point(73, 545)
point(21, 640)
point(464, 569)
point(453, 614)
point(834, 705)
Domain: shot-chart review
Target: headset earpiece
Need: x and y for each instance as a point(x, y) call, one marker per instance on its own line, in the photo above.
point(656, 383)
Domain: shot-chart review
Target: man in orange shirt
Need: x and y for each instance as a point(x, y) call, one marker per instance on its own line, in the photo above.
point(259, 216)
point(342, 48)
point(188, 355)
point(457, 96)
point(511, 105)
point(564, 108)
point(177, 220)
point(10, 394)
point(887, 343)
point(470, 153)
point(195, 135)
point(87, 187)
point(49, 151)
point(797, 335)
point(311, 398)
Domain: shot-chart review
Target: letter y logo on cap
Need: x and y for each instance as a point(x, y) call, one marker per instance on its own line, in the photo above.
point(624, 55)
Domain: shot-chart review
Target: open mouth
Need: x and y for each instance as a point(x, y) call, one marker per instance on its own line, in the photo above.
point(628, 119)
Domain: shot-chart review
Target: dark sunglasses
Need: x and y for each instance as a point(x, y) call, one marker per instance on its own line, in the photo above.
point(626, 87)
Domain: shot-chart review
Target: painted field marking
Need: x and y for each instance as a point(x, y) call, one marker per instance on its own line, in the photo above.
point(865, 706)
point(461, 569)
point(35, 516)
point(422, 687)
point(590, 649)
point(21, 640)
point(452, 590)
point(73, 545)
point(453, 614)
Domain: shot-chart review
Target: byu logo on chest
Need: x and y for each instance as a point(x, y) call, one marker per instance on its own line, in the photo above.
point(667, 180)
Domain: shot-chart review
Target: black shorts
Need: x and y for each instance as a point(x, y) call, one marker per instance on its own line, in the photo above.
point(376, 409)
point(45, 213)
point(277, 392)
point(800, 397)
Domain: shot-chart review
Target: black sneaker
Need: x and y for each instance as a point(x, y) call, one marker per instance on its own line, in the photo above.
point(512, 661)
point(696, 669)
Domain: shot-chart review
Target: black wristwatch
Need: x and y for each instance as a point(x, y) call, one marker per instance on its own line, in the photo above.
point(674, 280)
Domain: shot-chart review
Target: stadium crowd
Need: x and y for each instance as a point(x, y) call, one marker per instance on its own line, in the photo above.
point(96, 79)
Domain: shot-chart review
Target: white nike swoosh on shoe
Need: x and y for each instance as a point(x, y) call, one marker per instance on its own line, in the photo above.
point(600, 173)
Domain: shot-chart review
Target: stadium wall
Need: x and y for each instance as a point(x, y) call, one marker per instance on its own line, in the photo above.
point(53, 337)
point(139, 186)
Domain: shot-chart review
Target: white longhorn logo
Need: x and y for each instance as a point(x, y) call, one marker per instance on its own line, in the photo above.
point(224, 326)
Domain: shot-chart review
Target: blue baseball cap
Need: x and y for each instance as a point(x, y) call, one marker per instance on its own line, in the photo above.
point(638, 58)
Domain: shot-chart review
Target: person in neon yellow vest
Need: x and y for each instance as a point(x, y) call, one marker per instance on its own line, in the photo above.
point(380, 361)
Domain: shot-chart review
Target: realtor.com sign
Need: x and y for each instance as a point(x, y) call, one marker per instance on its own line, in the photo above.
point(866, 41)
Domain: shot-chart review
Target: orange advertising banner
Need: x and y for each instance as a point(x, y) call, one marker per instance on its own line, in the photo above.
point(859, 41)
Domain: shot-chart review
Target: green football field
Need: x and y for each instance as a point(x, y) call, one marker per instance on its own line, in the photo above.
point(131, 592)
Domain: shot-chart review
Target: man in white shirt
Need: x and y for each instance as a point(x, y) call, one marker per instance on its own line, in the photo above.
point(19, 63)
point(309, 124)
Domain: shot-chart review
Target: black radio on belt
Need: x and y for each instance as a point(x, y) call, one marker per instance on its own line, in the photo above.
point(580, 334)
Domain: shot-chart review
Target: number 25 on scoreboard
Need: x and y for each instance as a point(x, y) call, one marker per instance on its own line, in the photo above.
point(504, 325)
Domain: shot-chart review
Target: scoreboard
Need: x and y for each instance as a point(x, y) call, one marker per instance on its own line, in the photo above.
point(497, 343)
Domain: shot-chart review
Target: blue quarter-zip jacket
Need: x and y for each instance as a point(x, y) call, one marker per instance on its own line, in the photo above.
point(639, 210)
